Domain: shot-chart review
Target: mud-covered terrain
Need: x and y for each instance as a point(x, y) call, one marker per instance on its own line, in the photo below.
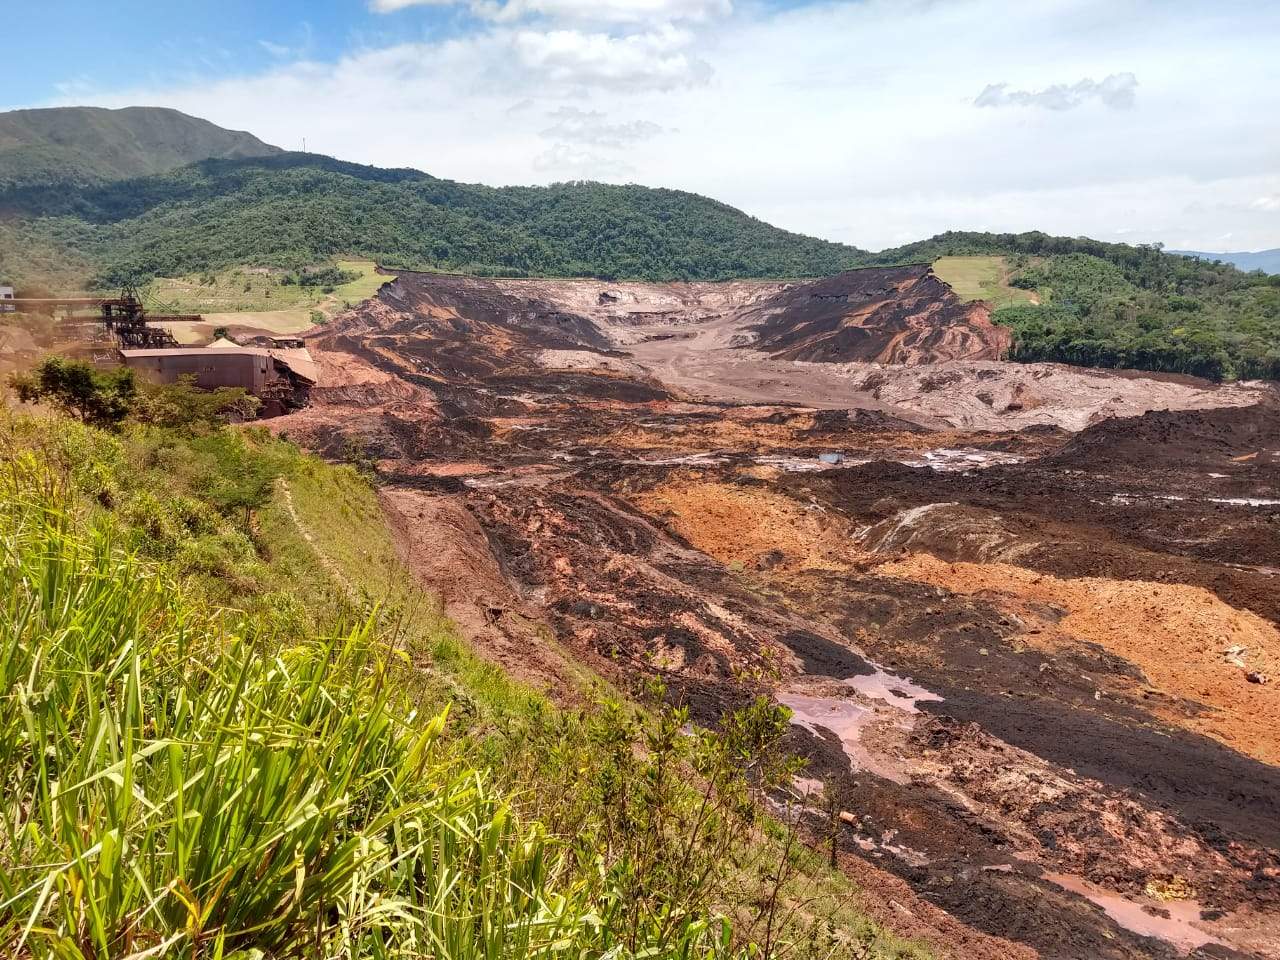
point(901, 315)
point(1031, 650)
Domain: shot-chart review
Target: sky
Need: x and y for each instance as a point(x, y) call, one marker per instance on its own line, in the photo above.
point(872, 122)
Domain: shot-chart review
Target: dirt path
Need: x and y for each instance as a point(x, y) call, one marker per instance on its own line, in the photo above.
point(331, 568)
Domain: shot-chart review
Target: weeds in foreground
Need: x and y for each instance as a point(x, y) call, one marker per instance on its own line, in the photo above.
point(171, 788)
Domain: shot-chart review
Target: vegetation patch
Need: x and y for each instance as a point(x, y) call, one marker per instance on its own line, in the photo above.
point(1114, 305)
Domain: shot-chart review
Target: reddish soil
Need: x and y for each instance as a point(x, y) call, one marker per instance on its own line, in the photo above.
point(1023, 658)
point(891, 315)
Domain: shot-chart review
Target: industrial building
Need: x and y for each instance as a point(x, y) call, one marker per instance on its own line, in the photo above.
point(282, 379)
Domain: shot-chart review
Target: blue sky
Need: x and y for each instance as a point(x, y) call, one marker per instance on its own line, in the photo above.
point(90, 46)
point(874, 122)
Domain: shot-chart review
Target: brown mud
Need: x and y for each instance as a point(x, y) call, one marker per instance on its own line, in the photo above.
point(1022, 656)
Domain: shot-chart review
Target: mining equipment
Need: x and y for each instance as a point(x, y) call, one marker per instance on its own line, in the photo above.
point(125, 317)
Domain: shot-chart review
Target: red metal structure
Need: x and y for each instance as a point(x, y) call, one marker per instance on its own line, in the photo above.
point(125, 317)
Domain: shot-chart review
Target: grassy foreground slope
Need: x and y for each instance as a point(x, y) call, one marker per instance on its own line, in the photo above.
point(230, 727)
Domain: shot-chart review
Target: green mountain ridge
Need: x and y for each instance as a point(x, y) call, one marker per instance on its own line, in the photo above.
point(293, 209)
point(89, 145)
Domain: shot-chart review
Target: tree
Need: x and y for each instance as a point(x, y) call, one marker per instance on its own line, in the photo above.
point(184, 405)
point(102, 398)
point(248, 488)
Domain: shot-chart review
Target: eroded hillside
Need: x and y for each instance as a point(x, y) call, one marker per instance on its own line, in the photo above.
point(1028, 664)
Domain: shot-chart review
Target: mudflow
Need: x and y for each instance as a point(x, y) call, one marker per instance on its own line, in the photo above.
point(1024, 615)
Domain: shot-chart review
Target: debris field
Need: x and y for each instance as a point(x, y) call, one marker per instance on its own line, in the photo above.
point(1026, 617)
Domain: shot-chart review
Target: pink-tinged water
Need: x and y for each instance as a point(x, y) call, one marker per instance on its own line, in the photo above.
point(1177, 929)
point(846, 720)
point(895, 691)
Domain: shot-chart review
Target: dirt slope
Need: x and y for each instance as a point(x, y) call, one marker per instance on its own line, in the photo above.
point(902, 315)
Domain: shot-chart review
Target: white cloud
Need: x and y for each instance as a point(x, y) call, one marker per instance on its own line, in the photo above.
point(1116, 91)
point(391, 6)
point(565, 162)
point(275, 49)
point(588, 11)
point(594, 128)
point(607, 11)
point(657, 59)
point(853, 121)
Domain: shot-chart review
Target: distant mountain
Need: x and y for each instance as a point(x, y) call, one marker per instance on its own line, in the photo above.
point(91, 145)
point(1268, 261)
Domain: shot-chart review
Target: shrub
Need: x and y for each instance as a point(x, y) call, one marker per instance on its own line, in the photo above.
point(99, 397)
point(183, 404)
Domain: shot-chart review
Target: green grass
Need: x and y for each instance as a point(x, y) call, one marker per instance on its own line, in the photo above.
point(981, 278)
point(237, 290)
point(253, 301)
point(365, 286)
point(185, 792)
point(261, 290)
point(228, 729)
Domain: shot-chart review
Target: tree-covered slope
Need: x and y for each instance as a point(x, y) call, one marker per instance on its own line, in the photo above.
point(86, 145)
point(295, 209)
point(1115, 305)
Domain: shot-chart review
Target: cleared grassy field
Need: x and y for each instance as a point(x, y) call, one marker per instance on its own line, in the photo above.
point(363, 288)
point(982, 278)
point(253, 301)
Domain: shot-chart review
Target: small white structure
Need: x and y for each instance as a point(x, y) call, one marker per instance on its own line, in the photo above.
point(6, 293)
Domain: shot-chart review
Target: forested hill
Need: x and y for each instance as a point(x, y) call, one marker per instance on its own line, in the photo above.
point(294, 209)
point(89, 145)
point(1115, 305)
